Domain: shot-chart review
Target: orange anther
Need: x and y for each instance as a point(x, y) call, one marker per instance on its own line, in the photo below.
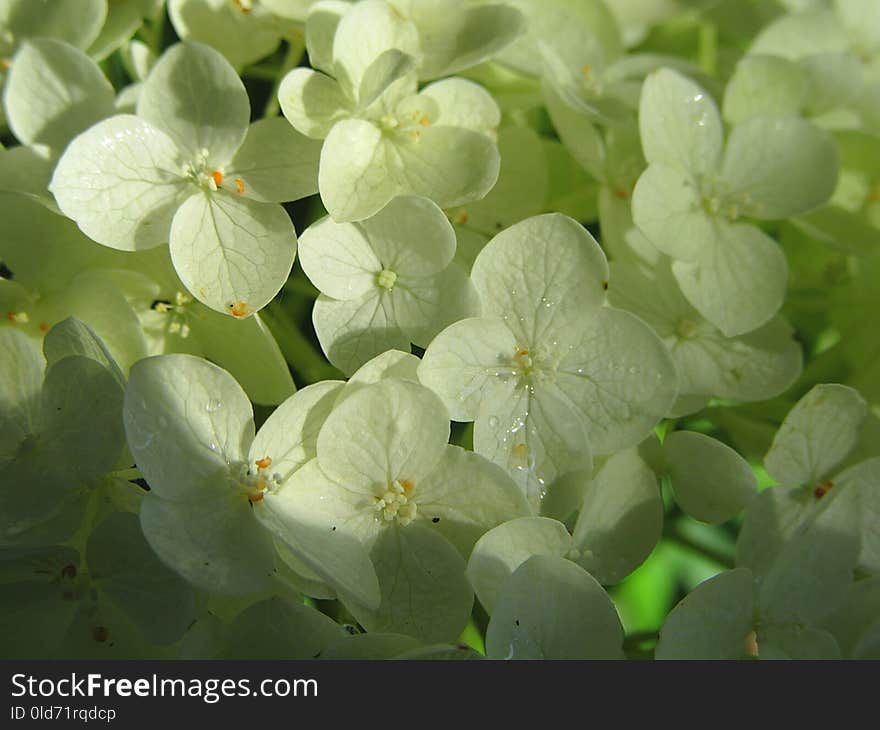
point(44, 327)
point(239, 186)
point(461, 218)
point(10, 316)
point(407, 485)
point(238, 310)
point(424, 121)
point(254, 498)
point(521, 352)
point(217, 177)
point(622, 194)
point(264, 463)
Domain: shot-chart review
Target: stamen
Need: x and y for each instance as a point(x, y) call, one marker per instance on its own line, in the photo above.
point(239, 186)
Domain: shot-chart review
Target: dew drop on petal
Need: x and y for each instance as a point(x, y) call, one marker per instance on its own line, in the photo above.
point(213, 405)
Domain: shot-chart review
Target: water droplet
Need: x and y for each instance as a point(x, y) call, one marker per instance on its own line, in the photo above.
point(212, 446)
point(213, 405)
point(493, 422)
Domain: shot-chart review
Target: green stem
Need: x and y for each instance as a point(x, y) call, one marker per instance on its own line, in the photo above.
point(708, 48)
point(295, 347)
point(295, 48)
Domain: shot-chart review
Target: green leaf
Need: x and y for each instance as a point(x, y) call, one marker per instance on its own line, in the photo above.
point(551, 608)
point(233, 254)
point(711, 481)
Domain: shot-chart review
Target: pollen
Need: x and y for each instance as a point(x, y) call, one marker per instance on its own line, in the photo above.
point(264, 463)
point(462, 218)
point(239, 186)
point(256, 497)
point(424, 121)
point(44, 327)
point(18, 317)
point(823, 489)
point(217, 177)
point(238, 310)
point(408, 486)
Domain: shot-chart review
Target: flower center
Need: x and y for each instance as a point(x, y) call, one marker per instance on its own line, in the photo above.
point(202, 174)
point(531, 366)
point(386, 279)
point(396, 502)
point(253, 482)
point(177, 312)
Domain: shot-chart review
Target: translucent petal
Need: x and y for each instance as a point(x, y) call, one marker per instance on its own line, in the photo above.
point(322, 20)
point(425, 593)
point(126, 570)
point(462, 103)
point(186, 421)
point(280, 629)
point(537, 435)
point(353, 332)
point(504, 548)
point(215, 542)
point(738, 282)
point(764, 86)
point(455, 39)
point(620, 376)
point(393, 430)
point(796, 35)
point(465, 496)
point(365, 32)
point(54, 92)
point(339, 259)
point(551, 608)
point(388, 67)
point(468, 364)
point(275, 164)
point(231, 253)
point(712, 622)
point(538, 275)
point(196, 98)
point(794, 641)
point(779, 167)
point(711, 481)
point(312, 102)
point(620, 520)
point(21, 367)
point(247, 349)
point(122, 182)
point(816, 435)
point(81, 419)
point(861, 485)
point(77, 22)
point(71, 338)
point(679, 124)
point(242, 37)
point(411, 236)
point(336, 556)
point(289, 436)
point(668, 208)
